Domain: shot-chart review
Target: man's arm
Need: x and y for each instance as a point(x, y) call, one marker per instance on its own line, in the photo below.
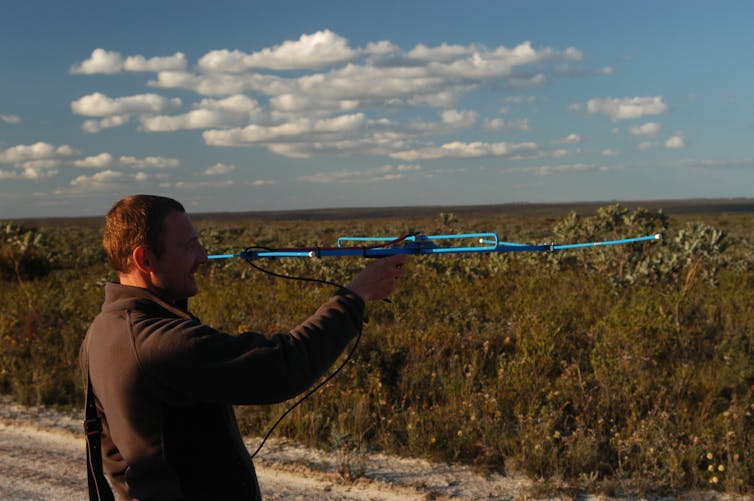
point(193, 362)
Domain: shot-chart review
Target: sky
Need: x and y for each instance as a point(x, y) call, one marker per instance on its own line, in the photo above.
point(254, 106)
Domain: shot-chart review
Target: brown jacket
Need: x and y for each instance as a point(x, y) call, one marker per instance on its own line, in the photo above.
point(164, 385)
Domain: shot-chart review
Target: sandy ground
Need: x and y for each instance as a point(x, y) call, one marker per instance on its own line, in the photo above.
point(42, 457)
point(48, 464)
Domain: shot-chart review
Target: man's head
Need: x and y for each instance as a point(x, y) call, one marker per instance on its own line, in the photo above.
point(151, 243)
point(133, 221)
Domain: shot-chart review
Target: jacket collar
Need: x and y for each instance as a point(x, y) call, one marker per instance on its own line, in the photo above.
point(126, 297)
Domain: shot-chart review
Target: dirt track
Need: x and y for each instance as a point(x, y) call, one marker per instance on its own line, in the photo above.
point(43, 464)
point(40, 465)
point(42, 457)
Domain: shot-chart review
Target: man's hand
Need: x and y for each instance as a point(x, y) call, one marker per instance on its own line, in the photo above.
point(380, 278)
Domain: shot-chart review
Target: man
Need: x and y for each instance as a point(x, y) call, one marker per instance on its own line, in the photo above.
point(164, 383)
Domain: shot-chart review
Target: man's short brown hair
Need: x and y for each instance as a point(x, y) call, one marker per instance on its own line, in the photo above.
point(133, 221)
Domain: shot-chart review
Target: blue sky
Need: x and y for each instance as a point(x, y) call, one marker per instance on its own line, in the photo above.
point(235, 106)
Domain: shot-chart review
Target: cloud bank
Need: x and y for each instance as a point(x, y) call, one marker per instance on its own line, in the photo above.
point(320, 95)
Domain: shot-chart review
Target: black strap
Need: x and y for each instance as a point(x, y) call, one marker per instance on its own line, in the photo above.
point(99, 489)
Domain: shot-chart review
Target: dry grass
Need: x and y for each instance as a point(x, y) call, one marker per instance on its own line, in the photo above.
point(623, 370)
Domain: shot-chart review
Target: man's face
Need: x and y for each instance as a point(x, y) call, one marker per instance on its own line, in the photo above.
point(182, 256)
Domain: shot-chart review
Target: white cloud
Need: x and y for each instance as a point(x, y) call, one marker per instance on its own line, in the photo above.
point(336, 100)
point(108, 62)
point(107, 180)
point(520, 99)
point(426, 75)
point(219, 169)
point(40, 165)
point(176, 62)
point(627, 107)
point(291, 131)
point(195, 119)
point(118, 111)
point(498, 61)
point(218, 84)
point(547, 170)
point(149, 162)
point(344, 176)
point(527, 80)
point(100, 105)
point(608, 152)
point(95, 162)
point(102, 180)
point(569, 139)
point(95, 126)
point(261, 182)
point(494, 124)
point(450, 120)
point(197, 185)
point(10, 174)
point(286, 105)
point(442, 53)
point(377, 84)
point(18, 155)
point(646, 145)
point(369, 143)
point(209, 113)
point(381, 49)
point(573, 54)
point(577, 70)
point(318, 50)
point(717, 163)
point(101, 61)
point(477, 149)
point(10, 119)
point(459, 119)
point(32, 171)
point(34, 161)
point(676, 141)
point(649, 129)
point(435, 99)
point(238, 103)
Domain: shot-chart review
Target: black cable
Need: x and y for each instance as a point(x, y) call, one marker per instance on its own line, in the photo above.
point(287, 277)
point(324, 381)
point(309, 393)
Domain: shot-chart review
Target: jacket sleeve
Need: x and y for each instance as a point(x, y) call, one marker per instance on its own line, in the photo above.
point(191, 362)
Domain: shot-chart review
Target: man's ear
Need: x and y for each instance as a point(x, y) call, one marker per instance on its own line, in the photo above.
point(142, 259)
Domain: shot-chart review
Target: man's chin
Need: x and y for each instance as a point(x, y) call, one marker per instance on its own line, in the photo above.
point(176, 295)
point(193, 288)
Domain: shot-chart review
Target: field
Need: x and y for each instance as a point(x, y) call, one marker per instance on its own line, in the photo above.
point(621, 370)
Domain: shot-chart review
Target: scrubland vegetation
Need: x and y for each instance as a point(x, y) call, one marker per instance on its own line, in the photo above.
point(621, 370)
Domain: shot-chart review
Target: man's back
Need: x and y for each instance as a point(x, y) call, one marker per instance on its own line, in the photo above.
point(169, 444)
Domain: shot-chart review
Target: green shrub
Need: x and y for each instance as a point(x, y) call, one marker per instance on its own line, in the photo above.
point(628, 369)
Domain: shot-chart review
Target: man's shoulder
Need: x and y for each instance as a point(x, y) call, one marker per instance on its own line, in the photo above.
point(141, 313)
point(155, 329)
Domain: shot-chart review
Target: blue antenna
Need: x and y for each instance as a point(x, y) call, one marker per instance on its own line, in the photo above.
point(420, 244)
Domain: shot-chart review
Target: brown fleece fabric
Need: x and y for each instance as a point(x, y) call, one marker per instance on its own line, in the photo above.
point(165, 384)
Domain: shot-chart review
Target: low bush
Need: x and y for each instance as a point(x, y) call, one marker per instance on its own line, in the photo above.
point(628, 369)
